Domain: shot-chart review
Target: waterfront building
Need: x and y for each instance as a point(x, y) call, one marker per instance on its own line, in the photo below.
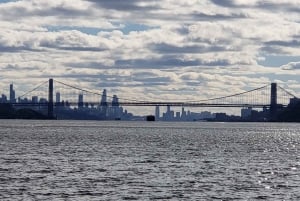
point(157, 113)
point(57, 97)
point(43, 100)
point(103, 101)
point(12, 94)
point(183, 114)
point(246, 113)
point(115, 110)
point(104, 104)
point(169, 115)
point(80, 101)
point(294, 101)
point(3, 99)
point(35, 99)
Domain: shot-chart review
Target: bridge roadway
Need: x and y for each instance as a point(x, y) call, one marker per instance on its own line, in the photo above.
point(174, 104)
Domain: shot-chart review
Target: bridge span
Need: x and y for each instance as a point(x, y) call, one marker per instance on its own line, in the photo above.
point(270, 97)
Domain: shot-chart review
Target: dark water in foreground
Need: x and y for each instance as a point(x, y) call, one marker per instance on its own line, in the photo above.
point(65, 160)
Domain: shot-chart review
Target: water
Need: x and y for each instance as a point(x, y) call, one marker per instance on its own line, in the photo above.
point(83, 160)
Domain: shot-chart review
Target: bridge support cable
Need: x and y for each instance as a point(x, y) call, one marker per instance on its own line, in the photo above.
point(256, 98)
point(68, 95)
point(285, 97)
point(251, 98)
point(32, 90)
point(236, 96)
point(97, 93)
point(287, 92)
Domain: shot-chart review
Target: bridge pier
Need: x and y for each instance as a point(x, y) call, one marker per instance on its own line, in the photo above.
point(50, 100)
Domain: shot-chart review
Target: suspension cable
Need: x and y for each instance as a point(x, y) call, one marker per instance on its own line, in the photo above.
point(134, 100)
point(33, 89)
point(289, 93)
point(96, 93)
point(223, 97)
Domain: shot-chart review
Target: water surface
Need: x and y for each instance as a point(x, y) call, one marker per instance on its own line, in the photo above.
point(91, 160)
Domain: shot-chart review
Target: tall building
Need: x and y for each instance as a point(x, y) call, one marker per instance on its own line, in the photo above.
point(178, 117)
point(157, 113)
point(80, 100)
point(3, 99)
point(168, 109)
point(57, 96)
point(246, 112)
point(115, 107)
point(169, 115)
point(12, 94)
point(35, 99)
point(103, 101)
point(183, 114)
point(115, 101)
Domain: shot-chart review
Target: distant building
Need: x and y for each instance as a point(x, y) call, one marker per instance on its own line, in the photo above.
point(115, 101)
point(12, 94)
point(23, 100)
point(246, 113)
point(3, 99)
point(183, 114)
point(103, 101)
point(57, 97)
point(115, 110)
point(43, 100)
point(169, 115)
point(80, 101)
point(294, 101)
point(103, 104)
point(35, 99)
point(157, 113)
point(221, 117)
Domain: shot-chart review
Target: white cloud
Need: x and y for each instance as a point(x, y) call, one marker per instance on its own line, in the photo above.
point(180, 48)
point(291, 66)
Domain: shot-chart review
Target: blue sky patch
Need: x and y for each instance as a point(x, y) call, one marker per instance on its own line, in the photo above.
point(87, 30)
point(277, 61)
point(125, 28)
point(6, 1)
point(128, 27)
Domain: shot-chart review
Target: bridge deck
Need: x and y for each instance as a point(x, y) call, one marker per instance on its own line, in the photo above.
point(174, 104)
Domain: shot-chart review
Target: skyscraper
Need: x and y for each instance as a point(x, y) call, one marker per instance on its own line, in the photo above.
point(12, 94)
point(157, 113)
point(115, 101)
point(3, 99)
point(35, 99)
point(104, 98)
point(115, 107)
point(103, 103)
point(57, 96)
point(169, 114)
point(80, 101)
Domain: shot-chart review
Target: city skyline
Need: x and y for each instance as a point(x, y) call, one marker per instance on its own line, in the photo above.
point(173, 49)
point(104, 110)
point(278, 103)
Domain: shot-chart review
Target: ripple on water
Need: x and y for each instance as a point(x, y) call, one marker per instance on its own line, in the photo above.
point(140, 161)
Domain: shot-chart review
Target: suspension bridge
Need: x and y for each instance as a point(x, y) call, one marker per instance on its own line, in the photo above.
point(53, 94)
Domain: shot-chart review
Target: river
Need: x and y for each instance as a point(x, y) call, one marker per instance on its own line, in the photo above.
point(95, 160)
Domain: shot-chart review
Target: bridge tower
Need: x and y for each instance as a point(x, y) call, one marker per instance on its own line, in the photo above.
point(50, 100)
point(273, 105)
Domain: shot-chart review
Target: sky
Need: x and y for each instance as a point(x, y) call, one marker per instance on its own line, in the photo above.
point(151, 49)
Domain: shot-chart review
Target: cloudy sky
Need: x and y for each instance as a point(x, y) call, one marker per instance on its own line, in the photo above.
point(174, 49)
